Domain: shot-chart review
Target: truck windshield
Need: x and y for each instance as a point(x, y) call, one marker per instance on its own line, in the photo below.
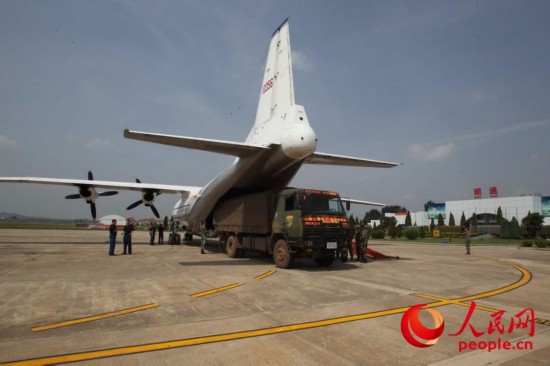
point(320, 202)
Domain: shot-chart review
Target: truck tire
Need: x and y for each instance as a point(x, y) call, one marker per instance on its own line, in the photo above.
point(281, 254)
point(231, 247)
point(324, 262)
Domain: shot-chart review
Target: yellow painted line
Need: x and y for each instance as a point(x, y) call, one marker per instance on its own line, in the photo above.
point(93, 318)
point(542, 321)
point(267, 274)
point(213, 291)
point(455, 302)
point(201, 340)
point(526, 277)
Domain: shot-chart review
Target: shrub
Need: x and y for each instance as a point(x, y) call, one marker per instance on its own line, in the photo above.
point(540, 242)
point(526, 244)
point(411, 233)
point(378, 234)
point(422, 233)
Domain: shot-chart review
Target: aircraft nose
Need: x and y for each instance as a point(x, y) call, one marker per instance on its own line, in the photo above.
point(299, 141)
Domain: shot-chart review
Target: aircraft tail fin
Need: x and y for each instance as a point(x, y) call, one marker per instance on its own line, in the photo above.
point(277, 91)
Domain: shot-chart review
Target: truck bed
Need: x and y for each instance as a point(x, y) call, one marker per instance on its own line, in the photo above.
point(252, 213)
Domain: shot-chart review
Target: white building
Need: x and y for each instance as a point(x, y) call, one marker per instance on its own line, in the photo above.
point(517, 207)
point(106, 220)
point(419, 218)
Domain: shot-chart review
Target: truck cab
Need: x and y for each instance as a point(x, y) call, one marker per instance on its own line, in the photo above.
point(313, 223)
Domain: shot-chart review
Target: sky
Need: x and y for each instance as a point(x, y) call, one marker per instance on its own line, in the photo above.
point(458, 91)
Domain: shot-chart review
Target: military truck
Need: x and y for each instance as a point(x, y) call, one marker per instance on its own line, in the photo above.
point(287, 224)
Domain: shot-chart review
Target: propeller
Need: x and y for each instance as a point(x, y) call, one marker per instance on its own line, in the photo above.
point(147, 198)
point(88, 193)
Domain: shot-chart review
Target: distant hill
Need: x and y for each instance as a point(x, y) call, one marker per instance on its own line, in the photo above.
point(10, 217)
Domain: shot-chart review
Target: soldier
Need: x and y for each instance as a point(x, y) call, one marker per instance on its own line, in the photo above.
point(363, 236)
point(203, 236)
point(467, 239)
point(349, 245)
point(112, 237)
point(127, 237)
point(152, 232)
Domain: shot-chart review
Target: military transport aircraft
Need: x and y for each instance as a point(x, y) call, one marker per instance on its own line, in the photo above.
point(280, 141)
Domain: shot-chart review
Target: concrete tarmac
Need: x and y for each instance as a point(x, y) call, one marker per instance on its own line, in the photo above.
point(63, 299)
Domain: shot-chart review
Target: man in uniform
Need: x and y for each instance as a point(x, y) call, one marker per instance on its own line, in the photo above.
point(112, 237)
point(467, 239)
point(127, 237)
point(203, 237)
point(362, 239)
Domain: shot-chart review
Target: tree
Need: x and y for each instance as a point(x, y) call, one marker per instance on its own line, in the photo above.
point(408, 219)
point(432, 225)
point(440, 220)
point(532, 223)
point(373, 214)
point(473, 222)
point(351, 220)
point(499, 215)
point(505, 229)
point(515, 230)
point(463, 220)
point(393, 209)
point(451, 220)
point(392, 227)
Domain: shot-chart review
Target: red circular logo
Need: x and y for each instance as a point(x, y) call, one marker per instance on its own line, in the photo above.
point(410, 324)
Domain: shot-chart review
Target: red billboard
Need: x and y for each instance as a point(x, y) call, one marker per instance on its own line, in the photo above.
point(477, 192)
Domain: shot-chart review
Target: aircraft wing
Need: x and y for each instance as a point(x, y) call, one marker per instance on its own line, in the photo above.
point(358, 202)
point(332, 159)
point(160, 188)
point(217, 146)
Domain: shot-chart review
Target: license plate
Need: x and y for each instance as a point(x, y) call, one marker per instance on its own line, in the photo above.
point(332, 245)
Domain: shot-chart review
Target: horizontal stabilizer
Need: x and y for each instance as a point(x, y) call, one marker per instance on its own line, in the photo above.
point(331, 159)
point(217, 146)
point(161, 188)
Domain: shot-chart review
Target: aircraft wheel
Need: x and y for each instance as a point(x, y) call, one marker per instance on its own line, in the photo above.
point(281, 254)
point(231, 247)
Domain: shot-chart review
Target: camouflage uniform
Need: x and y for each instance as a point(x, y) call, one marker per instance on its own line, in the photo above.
point(362, 242)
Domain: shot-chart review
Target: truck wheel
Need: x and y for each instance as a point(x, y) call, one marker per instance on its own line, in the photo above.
point(324, 262)
point(231, 247)
point(281, 254)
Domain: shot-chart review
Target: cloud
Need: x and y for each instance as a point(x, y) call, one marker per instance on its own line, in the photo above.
point(430, 154)
point(97, 144)
point(7, 143)
point(300, 61)
point(480, 97)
